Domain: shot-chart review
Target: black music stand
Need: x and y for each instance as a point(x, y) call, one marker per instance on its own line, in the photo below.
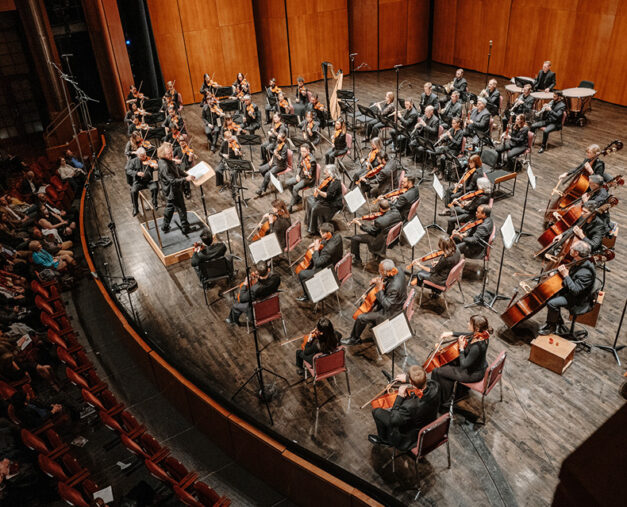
point(237, 167)
point(427, 147)
point(345, 95)
point(249, 140)
point(230, 105)
point(615, 349)
point(520, 232)
point(223, 91)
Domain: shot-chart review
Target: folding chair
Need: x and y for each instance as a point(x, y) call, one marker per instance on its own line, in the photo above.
point(327, 366)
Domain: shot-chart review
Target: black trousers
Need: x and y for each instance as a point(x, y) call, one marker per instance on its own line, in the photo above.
point(297, 186)
point(382, 420)
point(177, 202)
point(137, 186)
point(357, 240)
point(548, 128)
point(365, 320)
point(213, 134)
point(447, 375)
point(305, 275)
point(267, 170)
point(251, 128)
point(316, 213)
point(329, 156)
point(237, 309)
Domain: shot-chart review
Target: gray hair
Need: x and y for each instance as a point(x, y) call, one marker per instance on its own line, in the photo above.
point(140, 152)
point(582, 248)
point(387, 264)
point(455, 93)
point(596, 178)
point(484, 183)
point(246, 97)
point(332, 170)
point(429, 109)
point(483, 101)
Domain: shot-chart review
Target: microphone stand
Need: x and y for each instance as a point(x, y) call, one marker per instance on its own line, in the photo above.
point(520, 232)
point(614, 349)
point(487, 70)
point(265, 393)
point(352, 71)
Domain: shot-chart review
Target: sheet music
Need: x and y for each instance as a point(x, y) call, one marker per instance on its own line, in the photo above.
point(508, 232)
point(391, 333)
point(322, 284)
point(276, 183)
point(202, 172)
point(106, 494)
point(354, 199)
point(531, 176)
point(224, 220)
point(414, 231)
point(265, 248)
point(437, 186)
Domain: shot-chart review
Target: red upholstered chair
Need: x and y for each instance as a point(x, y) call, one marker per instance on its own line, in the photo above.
point(68, 342)
point(344, 273)
point(413, 210)
point(60, 324)
point(145, 447)
point(266, 311)
point(394, 233)
point(53, 469)
point(208, 496)
point(54, 308)
point(327, 366)
point(293, 237)
point(105, 402)
point(454, 276)
point(50, 293)
point(72, 496)
point(88, 380)
point(493, 375)
point(172, 472)
point(74, 467)
point(186, 497)
point(6, 391)
point(408, 306)
point(52, 447)
point(77, 361)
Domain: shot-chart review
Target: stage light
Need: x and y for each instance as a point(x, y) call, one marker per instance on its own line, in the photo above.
point(128, 42)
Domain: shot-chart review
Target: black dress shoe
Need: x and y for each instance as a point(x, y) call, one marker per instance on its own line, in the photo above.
point(387, 375)
point(302, 299)
point(546, 329)
point(259, 193)
point(351, 341)
point(374, 439)
point(165, 229)
point(562, 330)
point(187, 230)
point(135, 212)
point(541, 150)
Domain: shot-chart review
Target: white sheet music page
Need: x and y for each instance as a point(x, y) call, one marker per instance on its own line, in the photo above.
point(277, 184)
point(414, 231)
point(321, 285)
point(265, 248)
point(437, 186)
point(391, 333)
point(354, 199)
point(508, 232)
point(202, 172)
point(531, 176)
point(224, 220)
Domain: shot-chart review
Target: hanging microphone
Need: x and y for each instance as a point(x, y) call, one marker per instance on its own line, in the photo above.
point(352, 54)
point(398, 66)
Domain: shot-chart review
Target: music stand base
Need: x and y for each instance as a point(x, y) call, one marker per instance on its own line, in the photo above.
point(265, 394)
point(101, 242)
point(493, 298)
point(128, 284)
point(520, 234)
point(480, 300)
point(435, 226)
point(613, 350)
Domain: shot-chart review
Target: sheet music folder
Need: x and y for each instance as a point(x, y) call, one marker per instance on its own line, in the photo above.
point(202, 173)
point(392, 333)
point(265, 248)
point(321, 285)
point(224, 220)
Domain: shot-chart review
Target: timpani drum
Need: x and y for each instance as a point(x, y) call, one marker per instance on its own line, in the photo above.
point(513, 92)
point(578, 101)
point(541, 99)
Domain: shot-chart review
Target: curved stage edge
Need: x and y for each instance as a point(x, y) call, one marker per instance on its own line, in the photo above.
point(301, 475)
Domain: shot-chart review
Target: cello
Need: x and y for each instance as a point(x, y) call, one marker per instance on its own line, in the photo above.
point(307, 258)
point(387, 397)
point(446, 352)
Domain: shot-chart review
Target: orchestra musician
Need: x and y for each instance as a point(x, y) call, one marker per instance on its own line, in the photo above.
point(441, 266)
point(302, 97)
point(230, 150)
point(305, 176)
point(324, 339)
point(391, 291)
point(428, 98)
point(399, 425)
point(515, 142)
point(263, 284)
point(427, 126)
point(284, 105)
point(492, 96)
point(550, 118)
point(406, 122)
point(272, 93)
point(212, 115)
point(453, 109)
point(467, 183)
point(473, 243)
point(277, 128)
point(134, 94)
point(325, 202)
point(479, 122)
point(338, 139)
point(134, 143)
point(403, 198)
point(593, 164)
point(374, 181)
point(208, 85)
point(459, 83)
point(172, 96)
point(522, 105)
point(545, 80)
point(241, 87)
point(451, 144)
point(596, 192)
point(279, 220)
point(593, 229)
point(311, 129)
point(140, 172)
point(276, 164)
point(172, 182)
point(327, 251)
point(183, 152)
point(209, 250)
point(471, 364)
point(231, 125)
point(252, 120)
point(577, 290)
point(375, 232)
point(373, 159)
point(318, 109)
point(384, 109)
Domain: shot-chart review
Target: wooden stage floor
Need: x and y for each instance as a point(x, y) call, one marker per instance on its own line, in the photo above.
point(513, 459)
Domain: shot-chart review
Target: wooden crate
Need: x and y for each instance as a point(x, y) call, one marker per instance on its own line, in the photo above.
point(552, 352)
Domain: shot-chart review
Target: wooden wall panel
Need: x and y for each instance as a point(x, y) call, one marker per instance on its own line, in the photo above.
point(363, 33)
point(209, 36)
point(168, 33)
point(272, 41)
point(392, 33)
point(417, 31)
point(583, 38)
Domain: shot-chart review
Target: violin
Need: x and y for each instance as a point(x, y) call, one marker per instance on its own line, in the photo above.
point(370, 174)
point(388, 398)
point(468, 225)
point(306, 165)
point(307, 258)
point(430, 256)
point(275, 89)
point(371, 216)
point(391, 195)
point(234, 146)
point(146, 145)
point(466, 197)
point(250, 110)
point(306, 338)
point(262, 228)
point(324, 184)
point(462, 181)
point(150, 162)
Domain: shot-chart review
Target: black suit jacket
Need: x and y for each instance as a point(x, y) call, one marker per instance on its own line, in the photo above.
point(578, 287)
point(451, 110)
point(556, 112)
point(379, 229)
point(544, 81)
point(409, 118)
point(330, 254)
point(404, 201)
point(439, 273)
point(334, 195)
point(262, 289)
point(408, 415)
point(519, 137)
point(595, 231)
point(527, 104)
point(213, 251)
point(460, 84)
point(494, 101)
point(478, 237)
point(391, 299)
point(429, 100)
point(170, 179)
